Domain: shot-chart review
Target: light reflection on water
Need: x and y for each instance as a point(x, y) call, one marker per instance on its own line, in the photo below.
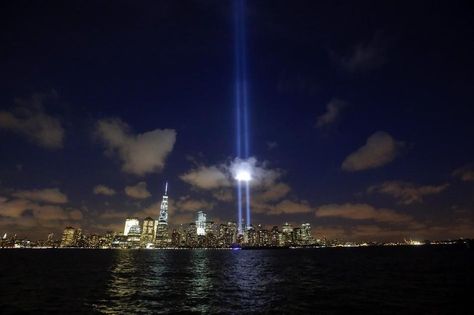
point(422, 280)
point(201, 285)
point(200, 281)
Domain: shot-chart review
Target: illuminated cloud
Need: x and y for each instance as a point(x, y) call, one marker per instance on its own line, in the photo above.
point(406, 193)
point(48, 195)
point(262, 176)
point(465, 173)
point(207, 177)
point(273, 192)
point(290, 207)
point(139, 191)
point(267, 189)
point(333, 110)
point(29, 119)
point(285, 206)
point(140, 153)
point(104, 190)
point(380, 149)
point(18, 208)
point(223, 175)
point(113, 215)
point(186, 203)
point(361, 211)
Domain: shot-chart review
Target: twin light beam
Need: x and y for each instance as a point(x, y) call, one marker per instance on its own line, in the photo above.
point(243, 174)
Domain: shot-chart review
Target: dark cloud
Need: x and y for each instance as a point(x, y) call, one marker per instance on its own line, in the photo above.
point(365, 56)
point(272, 145)
point(333, 111)
point(407, 193)
point(27, 213)
point(361, 211)
point(286, 206)
point(29, 119)
point(465, 173)
point(49, 195)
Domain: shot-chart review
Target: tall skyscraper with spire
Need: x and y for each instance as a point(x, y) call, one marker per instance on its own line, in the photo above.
point(162, 234)
point(164, 207)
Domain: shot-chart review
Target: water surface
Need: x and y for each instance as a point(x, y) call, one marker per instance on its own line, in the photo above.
point(434, 280)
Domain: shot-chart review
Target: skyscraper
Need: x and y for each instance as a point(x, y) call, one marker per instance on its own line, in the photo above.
point(201, 223)
point(148, 231)
point(305, 237)
point(162, 235)
point(164, 207)
point(69, 237)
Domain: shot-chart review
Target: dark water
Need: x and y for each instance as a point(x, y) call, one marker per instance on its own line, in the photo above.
point(398, 280)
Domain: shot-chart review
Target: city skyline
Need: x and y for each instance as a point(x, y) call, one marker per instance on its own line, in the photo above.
point(362, 130)
point(159, 233)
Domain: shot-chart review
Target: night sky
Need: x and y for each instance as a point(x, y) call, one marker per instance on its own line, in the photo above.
point(360, 115)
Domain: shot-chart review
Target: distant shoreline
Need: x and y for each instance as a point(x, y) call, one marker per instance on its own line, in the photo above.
point(465, 243)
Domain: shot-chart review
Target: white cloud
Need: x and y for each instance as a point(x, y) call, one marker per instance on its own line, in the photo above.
point(29, 119)
point(140, 153)
point(223, 175)
point(407, 193)
point(333, 110)
point(380, 149)
point(261, 175)
point(361, 211)
point(139, 191)
point(104, 190)
point(207, 177)
point(49, 195)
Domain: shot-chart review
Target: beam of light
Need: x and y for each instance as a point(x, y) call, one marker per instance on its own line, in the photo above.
point(241, 107)
point(247, 204)
point(239, 203)
point(238, 79)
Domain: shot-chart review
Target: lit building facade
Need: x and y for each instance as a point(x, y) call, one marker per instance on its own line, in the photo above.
point(201, 223)
point(287, 233)
point(69, 237)
point(131, 224)
point(148, 231)
point(304, 236)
